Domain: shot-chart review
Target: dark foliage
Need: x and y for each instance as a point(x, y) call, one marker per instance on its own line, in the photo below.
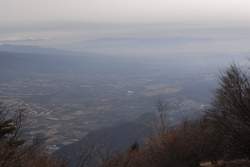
point(230, 110)
point(17, 150)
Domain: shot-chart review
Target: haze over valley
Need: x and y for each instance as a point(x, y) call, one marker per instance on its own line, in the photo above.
point(69, 95)
point(92, 71)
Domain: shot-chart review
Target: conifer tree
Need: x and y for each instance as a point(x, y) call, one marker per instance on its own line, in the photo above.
point(135, 146)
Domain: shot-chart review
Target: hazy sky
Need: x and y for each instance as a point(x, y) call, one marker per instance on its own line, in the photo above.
point(64, 21)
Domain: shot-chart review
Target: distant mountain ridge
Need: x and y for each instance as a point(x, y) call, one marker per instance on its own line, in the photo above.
point(134, 46)
point(146, 41)
point(34, 49)
point(138, 42)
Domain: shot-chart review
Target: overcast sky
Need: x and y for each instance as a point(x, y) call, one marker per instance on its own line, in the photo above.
point(64, 21)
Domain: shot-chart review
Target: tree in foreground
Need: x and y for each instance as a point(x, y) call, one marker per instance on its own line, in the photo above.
point(16, 147)
point(230, 110)
point(222, 132)
point(135, 146)
point(159, 121)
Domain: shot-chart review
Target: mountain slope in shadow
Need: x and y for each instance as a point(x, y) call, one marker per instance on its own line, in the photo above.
point(117, 138)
